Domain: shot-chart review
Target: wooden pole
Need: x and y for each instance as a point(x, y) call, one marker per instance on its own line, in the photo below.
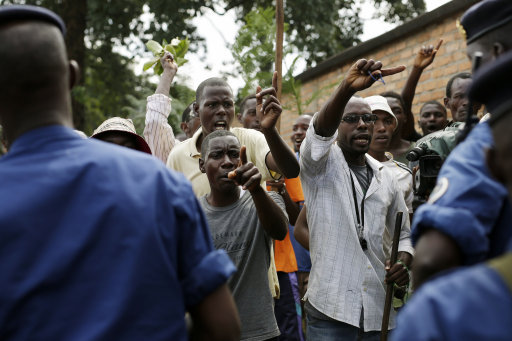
point(279, 51)
point(389, 288)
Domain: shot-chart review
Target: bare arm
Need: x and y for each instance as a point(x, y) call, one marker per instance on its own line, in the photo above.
point(358, 78)
point(292, 208)
point(216, 317)
point(271, 217)
point(424, 58)
point(435, 252)
point(281, 158)
point(301, 232)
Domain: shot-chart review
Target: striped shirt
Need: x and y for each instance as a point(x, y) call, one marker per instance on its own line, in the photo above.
point(343, 277)
point(157, 131)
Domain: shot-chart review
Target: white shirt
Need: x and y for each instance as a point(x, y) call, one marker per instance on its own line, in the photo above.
point(403, 176)
point(157, 131)
point(343, 277)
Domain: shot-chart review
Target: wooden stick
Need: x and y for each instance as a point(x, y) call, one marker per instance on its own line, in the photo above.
point(279, 51)
point(389, 288)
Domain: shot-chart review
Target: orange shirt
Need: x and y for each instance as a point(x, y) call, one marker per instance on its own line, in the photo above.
point(283, 249)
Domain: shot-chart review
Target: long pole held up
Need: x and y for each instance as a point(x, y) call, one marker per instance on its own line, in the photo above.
point(279, 51)
point(389, 288)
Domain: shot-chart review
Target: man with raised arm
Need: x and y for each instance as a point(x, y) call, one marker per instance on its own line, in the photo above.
point(243, 225)
point(351, 204)
point(97, 241)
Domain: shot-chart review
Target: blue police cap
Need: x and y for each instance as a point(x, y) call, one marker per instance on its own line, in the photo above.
point(27, 12)
point(491, 86)
point(484, 17)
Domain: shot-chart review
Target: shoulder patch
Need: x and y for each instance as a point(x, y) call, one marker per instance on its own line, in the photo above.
point(403, 166)
point(439, 190)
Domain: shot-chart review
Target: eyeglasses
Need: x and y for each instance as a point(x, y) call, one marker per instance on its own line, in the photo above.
point(367, 118)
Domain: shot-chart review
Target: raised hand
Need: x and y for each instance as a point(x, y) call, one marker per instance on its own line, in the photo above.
point(426, 55)
point(268, 111)
point(246, 174)
point(358, 76)
point(168, 63)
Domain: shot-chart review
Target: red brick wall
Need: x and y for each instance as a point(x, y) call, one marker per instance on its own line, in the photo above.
point(450, 59)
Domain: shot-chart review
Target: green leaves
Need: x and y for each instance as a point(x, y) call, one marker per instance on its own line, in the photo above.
point(178, 48)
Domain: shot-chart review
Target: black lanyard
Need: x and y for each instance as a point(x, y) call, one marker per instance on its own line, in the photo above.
point(360, 221)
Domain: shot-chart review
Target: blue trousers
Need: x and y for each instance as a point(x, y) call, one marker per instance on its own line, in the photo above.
point(323, 328)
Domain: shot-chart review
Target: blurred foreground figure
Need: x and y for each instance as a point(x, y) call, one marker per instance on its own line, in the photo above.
point(97, 242)
point(473, 303)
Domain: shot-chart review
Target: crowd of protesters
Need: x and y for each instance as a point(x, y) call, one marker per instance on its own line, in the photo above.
point(226, 233)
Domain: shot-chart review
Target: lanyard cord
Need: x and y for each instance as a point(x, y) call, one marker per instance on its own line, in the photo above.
point(360, 222)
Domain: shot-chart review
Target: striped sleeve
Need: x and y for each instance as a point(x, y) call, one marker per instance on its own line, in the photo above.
point(157, 131)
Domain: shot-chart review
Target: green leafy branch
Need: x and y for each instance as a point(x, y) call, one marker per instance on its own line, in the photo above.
point(178, 48)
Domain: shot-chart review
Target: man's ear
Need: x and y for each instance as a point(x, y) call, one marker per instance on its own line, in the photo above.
point(184, 127)
point(446, 101)
point(201, 165)
point(74, 73)
point(493, 165)
point(239, 116)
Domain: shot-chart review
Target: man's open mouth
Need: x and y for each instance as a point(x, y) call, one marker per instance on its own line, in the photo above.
point(220, 125)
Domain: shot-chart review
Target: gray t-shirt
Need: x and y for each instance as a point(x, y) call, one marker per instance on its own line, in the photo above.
point(364, 176)
point(237, 229)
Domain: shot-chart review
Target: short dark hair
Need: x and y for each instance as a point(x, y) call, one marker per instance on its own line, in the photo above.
point(395, 95)
point(212, 135)
point(434, 102)
point(214, 81)
point(185, 116)
point(462, 75)
point(244, 102)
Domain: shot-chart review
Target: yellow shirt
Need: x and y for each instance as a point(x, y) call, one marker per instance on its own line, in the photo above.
point(184, 158)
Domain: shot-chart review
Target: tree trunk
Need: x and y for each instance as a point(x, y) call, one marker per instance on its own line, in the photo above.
point(74, 13)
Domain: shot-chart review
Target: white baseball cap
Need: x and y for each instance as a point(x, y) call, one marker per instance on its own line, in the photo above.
point(380, 103)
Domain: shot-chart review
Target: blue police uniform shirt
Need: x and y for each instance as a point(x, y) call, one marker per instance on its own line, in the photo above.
point(98, 242)
point(467, 304)
point(473, 207)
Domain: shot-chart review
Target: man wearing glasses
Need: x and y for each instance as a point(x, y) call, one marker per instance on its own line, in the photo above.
point(351, 208)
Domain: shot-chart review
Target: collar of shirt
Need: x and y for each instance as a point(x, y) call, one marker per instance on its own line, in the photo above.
point(38, 137)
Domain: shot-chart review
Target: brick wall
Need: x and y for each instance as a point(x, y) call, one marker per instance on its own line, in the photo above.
point(398, 48)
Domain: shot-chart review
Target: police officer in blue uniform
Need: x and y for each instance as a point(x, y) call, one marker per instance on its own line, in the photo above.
point(473, 303)
point(467, 219)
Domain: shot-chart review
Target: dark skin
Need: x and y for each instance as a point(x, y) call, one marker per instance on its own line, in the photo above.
point(224, 155)
point(398, 146)
point(383, 130)
point(216, 110)
point(423, 59)
point(44, 105)
point(458, 102)
point(354, 138)
point(248, 117)
point(432, 118)
point(330, 116)
point(49, 103)
point(119, 138)
point(292, 208)
point(300, 127)
point(250, 120)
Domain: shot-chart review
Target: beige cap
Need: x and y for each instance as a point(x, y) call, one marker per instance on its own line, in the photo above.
point(124, 125)
point(380, 103)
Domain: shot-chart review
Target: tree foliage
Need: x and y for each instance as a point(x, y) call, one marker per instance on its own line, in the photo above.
point(322, 28)
point(99, 30)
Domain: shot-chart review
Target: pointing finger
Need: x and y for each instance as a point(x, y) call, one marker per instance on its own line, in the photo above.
point(392, 70)
point(258, 98)
point(243, 156)
point(439, 44)
point(274, 80)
